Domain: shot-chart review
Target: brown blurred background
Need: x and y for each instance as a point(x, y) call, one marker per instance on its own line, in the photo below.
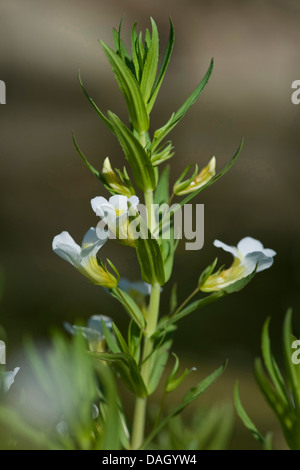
point(46, 189)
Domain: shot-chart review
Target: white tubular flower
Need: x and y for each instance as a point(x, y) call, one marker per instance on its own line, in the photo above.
point(84, 258)
point(115, 213)
point(135, 288)
point(7, 379)
point(93, 332)
point(248, 255)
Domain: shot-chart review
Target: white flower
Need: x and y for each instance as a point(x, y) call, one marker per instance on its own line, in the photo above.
point(115, 213)
point(93, 332)
point(115, 207)
point(135, 288)
point(7, 379)
point(248, 255)
point(84, 258)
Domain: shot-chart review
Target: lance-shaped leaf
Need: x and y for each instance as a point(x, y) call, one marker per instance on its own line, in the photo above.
point(99, 112)
point(194, 393)
point(271, 364)
point(135, 59)
point(135, 154)
point(163, 68)
point(161, 133)
point(161, 194)
point(280, 408)
point(121, 50)
point(128, 370)
point(246, 420)
point(151, 62)
point(168, 248)
point(86, 162)
point(149, 256)
point(159, 359)
point(196, 305)
point(292, 370)
point(130, 89)
point(206, 273)
point(130, 306)
point(173, 381)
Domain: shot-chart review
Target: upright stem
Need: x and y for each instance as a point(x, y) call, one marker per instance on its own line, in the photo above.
point(139, 419)
point(141, 403)
point(150, 209)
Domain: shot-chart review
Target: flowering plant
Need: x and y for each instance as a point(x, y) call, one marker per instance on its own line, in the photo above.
point(140, 357)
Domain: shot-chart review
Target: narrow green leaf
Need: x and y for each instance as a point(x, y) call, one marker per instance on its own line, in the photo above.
point(161, 133)
point(150, 66)
point(206, 273)
point(270, 363)
point(135, 154)
point(130, 306)
point(291, 369)
point(196, 305)
point(110, 340)
point(161, 194)
point(121, 341)
point(245, 418)
point(130, 89)
point(85, 161)
point(188, 398)
point(158, 360)
point(134, 52)
point(150, 257)
point(275, 401)
point(163, 68)
point(173, 298)
point(102, 116)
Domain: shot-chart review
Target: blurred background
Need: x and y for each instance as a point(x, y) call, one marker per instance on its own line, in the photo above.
point(45, 187)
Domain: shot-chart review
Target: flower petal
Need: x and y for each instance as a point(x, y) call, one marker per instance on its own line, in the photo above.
point(134, 201)
point(257, 258)
point(119, 203)
point(65, 247)
point(249, 245)
point(230, 249)
point(139, 287)
point(92, 243)
point(101, 206)
point(95, 323)
point(7, 379)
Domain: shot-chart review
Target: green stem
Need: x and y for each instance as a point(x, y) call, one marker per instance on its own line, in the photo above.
point(141, 403)
point(150, 209)
point(185, 302)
